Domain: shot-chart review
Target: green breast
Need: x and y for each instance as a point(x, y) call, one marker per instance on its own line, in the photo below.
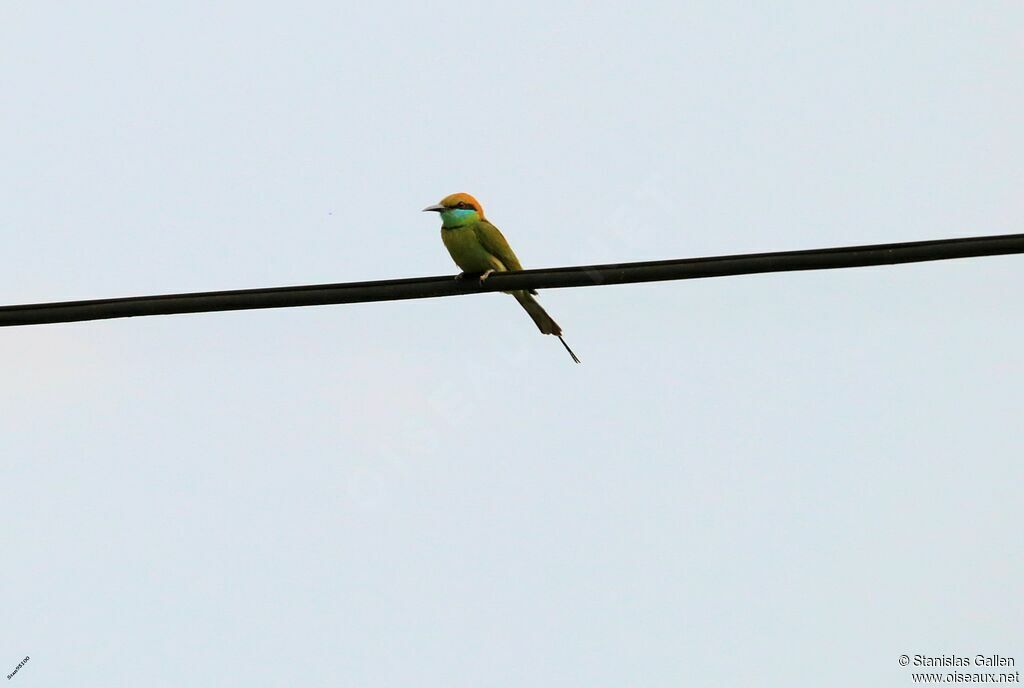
point(467, 252)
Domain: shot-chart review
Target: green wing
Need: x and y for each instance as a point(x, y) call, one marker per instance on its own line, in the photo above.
point(494, 243)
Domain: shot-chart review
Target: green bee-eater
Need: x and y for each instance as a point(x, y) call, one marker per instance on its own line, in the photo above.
point(480, 250)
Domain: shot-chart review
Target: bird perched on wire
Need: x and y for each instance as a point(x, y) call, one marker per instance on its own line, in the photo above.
point(481, 250)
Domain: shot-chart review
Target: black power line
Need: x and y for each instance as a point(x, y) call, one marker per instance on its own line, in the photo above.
point(553, 278)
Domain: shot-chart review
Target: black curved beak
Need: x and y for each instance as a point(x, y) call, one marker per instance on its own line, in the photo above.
point(433, 208)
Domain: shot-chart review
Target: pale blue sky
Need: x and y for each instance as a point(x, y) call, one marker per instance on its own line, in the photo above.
point(768, 480)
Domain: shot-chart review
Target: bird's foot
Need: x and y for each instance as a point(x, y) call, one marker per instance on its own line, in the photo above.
point(474, 275)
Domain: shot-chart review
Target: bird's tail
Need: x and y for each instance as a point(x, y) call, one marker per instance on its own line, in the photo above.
point(545, 323)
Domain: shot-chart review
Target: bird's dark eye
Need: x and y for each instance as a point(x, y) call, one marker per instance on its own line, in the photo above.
point(463, 206)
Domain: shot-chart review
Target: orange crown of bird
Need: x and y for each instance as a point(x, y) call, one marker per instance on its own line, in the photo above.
point(463, 200)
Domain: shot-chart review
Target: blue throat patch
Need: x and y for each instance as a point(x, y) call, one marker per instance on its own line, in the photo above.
point(456, 217)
